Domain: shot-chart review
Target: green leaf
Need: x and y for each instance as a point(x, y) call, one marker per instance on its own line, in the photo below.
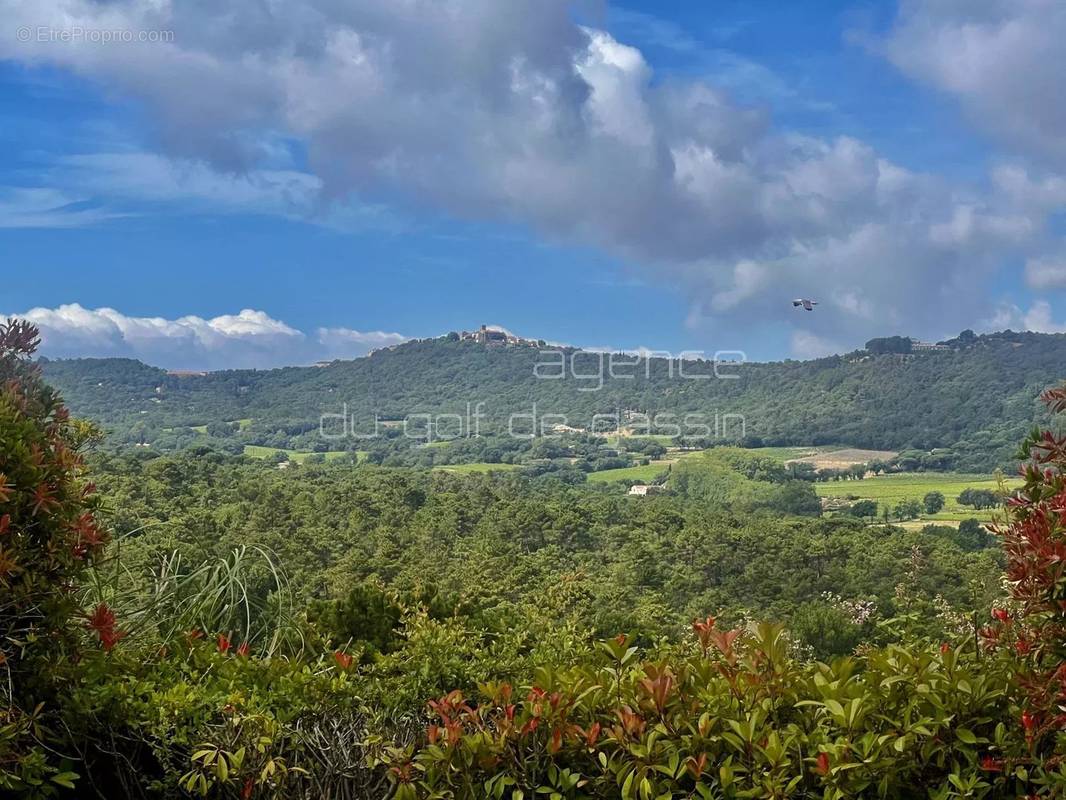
point(65, 779)
point(966, 735)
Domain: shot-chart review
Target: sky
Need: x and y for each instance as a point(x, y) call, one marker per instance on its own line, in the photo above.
point(206, 185)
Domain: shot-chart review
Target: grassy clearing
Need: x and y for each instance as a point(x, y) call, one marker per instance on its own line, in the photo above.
point(888, 490)
point(657, 468)
point(616, 439)
point(202, 429)
point(480, 466)
point(825, 456)
point(638, 473)
point(846, 457)
point(792, 453)
point(297, 456)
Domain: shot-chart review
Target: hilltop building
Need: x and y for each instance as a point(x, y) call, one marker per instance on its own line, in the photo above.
point(926, 347)
point(902, 345)
point(494, 336)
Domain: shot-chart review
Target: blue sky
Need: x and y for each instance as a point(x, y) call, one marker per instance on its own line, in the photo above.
point(665, 175)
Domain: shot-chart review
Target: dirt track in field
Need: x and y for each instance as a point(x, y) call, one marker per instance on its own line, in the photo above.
point(841, 459)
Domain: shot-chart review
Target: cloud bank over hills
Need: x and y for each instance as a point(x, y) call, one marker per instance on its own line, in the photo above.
point(250, 339)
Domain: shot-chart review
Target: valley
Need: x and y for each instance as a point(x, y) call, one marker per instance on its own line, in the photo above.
point(401, 572)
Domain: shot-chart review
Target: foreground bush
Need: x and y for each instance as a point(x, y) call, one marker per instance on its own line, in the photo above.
point(724, 714)
point(737, 718)
point(48, 537)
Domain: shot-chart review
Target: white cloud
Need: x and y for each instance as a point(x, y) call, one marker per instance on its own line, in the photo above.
point(1032, 194)
point(22, 207)
point(1003, 60)
point(250, 339)
point(1046, 273)
point(652, 30)
point(1037, 318)
point(749, 278)
point(99, 186)
point(809, 345)
point(348, 343)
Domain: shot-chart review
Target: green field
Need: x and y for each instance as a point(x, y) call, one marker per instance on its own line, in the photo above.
point(241, 424)
point(657, 468)
point(638, 473)
point(481, 466)
point(891, 489)
point(616, 440)
point(256, 451)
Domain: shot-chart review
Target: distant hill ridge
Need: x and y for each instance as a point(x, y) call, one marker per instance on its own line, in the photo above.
point(977, 397)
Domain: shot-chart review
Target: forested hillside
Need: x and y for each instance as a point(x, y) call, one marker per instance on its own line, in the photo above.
point(492, 548)
point(976, 399)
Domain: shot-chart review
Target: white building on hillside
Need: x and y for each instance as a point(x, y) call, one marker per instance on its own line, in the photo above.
point(644, 489)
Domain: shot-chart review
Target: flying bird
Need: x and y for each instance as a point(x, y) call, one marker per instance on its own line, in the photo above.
point(808, 305)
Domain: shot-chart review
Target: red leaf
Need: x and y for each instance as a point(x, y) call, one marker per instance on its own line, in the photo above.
point(823, 764)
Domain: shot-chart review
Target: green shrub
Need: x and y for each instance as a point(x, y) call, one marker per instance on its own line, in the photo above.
point(48, 536)
point(733, 716)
